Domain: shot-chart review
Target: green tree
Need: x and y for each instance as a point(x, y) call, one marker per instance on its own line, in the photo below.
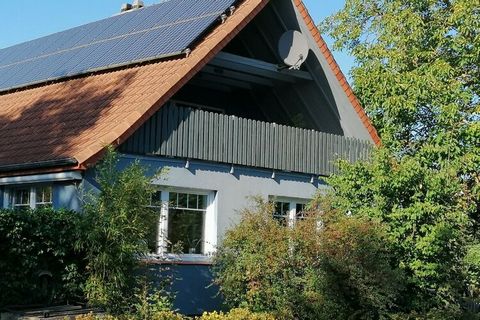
point(417, 74)
point(116, 225)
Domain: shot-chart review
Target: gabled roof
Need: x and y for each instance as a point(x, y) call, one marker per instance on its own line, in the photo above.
point(73, 120)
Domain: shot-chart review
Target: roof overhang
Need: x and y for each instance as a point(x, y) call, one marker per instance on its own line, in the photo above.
point(106, 108)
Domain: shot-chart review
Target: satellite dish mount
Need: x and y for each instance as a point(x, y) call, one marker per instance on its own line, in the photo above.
point(293, 49)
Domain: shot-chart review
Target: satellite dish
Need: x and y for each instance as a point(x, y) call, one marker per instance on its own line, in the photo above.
point(293, 49)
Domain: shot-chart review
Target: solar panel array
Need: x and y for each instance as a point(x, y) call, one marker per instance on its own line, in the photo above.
point(160, 30)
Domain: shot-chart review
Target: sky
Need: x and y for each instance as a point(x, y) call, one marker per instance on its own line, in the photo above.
point(23, 20)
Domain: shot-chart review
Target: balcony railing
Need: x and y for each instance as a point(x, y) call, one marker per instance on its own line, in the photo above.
point(189, 133)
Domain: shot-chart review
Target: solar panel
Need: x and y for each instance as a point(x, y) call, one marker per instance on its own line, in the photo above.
point(156, 31)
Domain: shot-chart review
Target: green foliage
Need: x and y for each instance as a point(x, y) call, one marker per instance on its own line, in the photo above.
point(115, 225)
point(328, 266)
point(38, 263)
point(472, 263)
point(425, 215)
point(417, 74)
point(236, 314)
point(147, 303)
point(161, 315)
point(417, 69)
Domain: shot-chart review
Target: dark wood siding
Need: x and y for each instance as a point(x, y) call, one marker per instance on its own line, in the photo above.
point(188, 133)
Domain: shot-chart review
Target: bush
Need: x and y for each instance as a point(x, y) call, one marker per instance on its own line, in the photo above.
point(116, 223)
point(162, 315)
point(38, 262)
point(328, 266)
point(236, 314)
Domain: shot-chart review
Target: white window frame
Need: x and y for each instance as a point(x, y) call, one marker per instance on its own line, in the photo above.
point(292, 208)
point(209, 241)
point(9, 195)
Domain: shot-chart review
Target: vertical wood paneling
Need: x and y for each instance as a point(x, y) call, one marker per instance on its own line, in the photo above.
point(183, 132)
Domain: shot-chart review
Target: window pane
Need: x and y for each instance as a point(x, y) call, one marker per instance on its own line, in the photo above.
point(43, 197)
point(182, 200)
point(39, 195)
point(192, 201)
point(152, 235)
point(300, 207)
point(156, 200)
point(21, 198)
point(44, 194)
point(281, 212)
point(185, 231)
point(202, 202)
point(172, 199)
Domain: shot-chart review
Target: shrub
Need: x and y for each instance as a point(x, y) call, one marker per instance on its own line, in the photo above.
point(328, 266)
point(236, 314)
point(38, 262)
point(161, 315)
point(116, 225)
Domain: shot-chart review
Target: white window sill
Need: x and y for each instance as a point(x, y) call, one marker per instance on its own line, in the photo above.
point(180, 259)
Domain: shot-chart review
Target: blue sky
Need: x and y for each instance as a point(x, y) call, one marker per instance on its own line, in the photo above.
point(24, 20)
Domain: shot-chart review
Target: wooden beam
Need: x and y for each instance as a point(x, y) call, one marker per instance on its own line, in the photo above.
point(258, 68)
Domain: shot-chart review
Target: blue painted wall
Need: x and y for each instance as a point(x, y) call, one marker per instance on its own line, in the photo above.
point(2, 195)
point(192, 285)
point(233, 192)
point(67, 196)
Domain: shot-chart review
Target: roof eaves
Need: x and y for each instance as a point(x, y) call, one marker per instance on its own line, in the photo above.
point(66, 162)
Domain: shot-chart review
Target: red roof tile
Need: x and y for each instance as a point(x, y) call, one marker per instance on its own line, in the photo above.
point(79, 117)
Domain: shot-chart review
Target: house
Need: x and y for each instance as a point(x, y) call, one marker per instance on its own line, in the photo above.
point(198, 87)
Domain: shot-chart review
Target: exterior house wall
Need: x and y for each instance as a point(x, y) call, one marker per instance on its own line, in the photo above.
point(65, 188)
point(233, 191)
point(193, 284)
point(67, 196)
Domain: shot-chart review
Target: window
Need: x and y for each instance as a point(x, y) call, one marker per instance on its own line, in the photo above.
point(43, 197)
point(186, 217)
point(30, 197)
point(20, 199)
point(287, 211)
point(282, 212)
point(300, 211)
point(187, 222)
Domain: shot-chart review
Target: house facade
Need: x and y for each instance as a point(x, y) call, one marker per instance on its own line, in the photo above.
point(195, 87)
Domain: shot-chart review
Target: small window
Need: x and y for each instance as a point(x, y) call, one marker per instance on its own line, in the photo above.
point(282, 212)
point(300, 211)
point(43, 197)
point(30, 197)
point(287, 210)
point(153, 232)
point(21, 198)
